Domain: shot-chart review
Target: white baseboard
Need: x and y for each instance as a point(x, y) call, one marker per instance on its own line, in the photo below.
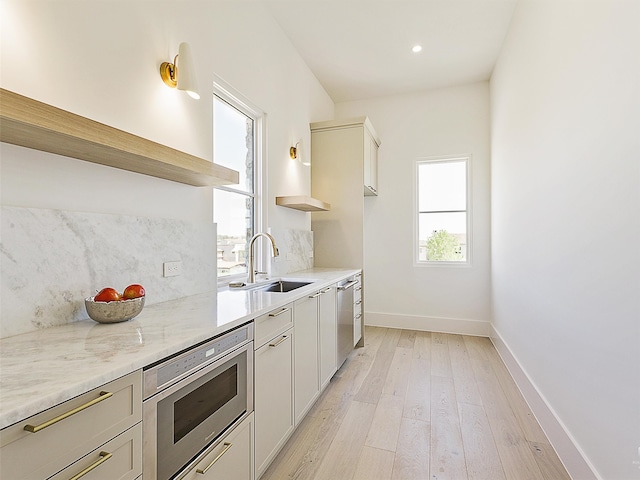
point(574, 460)
point(478, 328)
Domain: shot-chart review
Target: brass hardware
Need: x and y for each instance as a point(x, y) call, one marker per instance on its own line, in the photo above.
point(104, 456)
point(279, 313)
point(275, 344)
point(168, 72)
point(227, 446)
point(37, 428)
point(293, 152)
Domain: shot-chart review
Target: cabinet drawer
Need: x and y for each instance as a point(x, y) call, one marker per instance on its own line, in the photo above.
point(84, 423)
point(270, 324)
point(118, 459)
point(230, 459)
point(357, 293)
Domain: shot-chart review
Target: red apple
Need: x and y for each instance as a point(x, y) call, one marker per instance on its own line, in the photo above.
point(133, 291)
point(107, 295)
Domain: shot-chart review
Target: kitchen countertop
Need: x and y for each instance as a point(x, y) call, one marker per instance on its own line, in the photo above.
point(41, 369)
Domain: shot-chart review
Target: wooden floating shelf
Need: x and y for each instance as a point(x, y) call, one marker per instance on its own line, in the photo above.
point(301, 202)
point(32, 124)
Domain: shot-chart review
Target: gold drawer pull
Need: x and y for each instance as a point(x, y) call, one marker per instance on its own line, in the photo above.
point(275, 344)
point(279, 313)
point(37, 428)
point(104, 456)
point(227, 446)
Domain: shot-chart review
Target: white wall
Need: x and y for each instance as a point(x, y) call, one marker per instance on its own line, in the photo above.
point(565, 109)
point(440, 122)
point(100, 59)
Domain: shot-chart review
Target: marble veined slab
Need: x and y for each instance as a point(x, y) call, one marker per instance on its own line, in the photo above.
point(296, 251)
point(50, 260)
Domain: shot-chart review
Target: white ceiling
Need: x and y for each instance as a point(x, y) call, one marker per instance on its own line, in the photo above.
point(362, 48)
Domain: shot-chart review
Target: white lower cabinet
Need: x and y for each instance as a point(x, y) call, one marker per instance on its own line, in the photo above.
point(357, 310)
point(273, 405)
point(91, 430)
point(232, 457)
point(118, 459)
point(306, 371)
point(328, 340)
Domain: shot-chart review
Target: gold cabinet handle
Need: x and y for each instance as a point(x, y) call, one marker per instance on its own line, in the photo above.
point(37, 428)
point(275, 344)
point(279, 313)
point(104, 456)
point(227, 446)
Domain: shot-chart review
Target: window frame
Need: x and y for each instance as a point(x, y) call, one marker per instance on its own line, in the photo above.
point(467, 158)
point(229, 95)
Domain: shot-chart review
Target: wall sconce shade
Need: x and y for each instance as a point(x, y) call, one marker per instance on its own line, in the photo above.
point(181, 73)
point(294, 153)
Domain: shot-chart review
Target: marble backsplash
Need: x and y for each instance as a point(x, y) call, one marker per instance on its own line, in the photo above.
point(296, 251)
point(51, 260)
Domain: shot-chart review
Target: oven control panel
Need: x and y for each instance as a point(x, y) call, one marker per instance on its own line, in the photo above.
point(160, 375)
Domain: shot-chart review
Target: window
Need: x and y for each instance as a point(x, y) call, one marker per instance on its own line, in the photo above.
point(235, 133)
point(443, 213)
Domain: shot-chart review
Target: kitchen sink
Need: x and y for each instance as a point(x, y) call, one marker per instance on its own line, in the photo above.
point(283, 286)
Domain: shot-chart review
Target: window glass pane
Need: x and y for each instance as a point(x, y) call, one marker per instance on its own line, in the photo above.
point(442, 237)
point(233, 212)
point(233, 142)
point(442, 186)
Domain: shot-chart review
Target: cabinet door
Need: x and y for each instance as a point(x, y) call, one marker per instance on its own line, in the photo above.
point(230, 459)
point(328, 335)
point(306, 383)
point(273, 406)
point(370, 165)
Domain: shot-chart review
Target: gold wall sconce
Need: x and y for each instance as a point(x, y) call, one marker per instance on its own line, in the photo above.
point(293, 151)
point(296, 154)
point(181, 73)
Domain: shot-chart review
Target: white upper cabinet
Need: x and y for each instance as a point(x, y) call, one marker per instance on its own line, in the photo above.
point(370, 164)
point(353, 141)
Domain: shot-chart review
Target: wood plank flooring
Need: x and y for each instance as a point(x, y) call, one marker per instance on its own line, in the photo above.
point(419, 406)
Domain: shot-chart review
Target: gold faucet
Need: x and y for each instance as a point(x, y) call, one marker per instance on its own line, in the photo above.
point(251, 278)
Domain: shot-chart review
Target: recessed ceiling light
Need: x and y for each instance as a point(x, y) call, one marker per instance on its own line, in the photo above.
point(416, 48)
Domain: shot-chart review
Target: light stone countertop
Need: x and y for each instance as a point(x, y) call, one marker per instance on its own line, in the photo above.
point(41, 369)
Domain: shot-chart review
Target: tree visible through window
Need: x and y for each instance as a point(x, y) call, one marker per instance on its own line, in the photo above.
point(443, 210)
point(234, 205)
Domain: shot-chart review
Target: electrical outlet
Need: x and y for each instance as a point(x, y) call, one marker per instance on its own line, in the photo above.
point(171, 269)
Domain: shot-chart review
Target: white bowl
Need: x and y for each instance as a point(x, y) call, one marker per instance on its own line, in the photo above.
point(113, 312)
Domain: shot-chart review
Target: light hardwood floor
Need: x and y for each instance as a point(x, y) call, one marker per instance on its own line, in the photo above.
point(419, 406)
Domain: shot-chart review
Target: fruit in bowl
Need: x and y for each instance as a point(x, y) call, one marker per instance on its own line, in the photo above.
point(109, 306)
point(107, 295)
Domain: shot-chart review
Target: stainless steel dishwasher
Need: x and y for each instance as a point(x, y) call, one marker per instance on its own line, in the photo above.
point(345, 318)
